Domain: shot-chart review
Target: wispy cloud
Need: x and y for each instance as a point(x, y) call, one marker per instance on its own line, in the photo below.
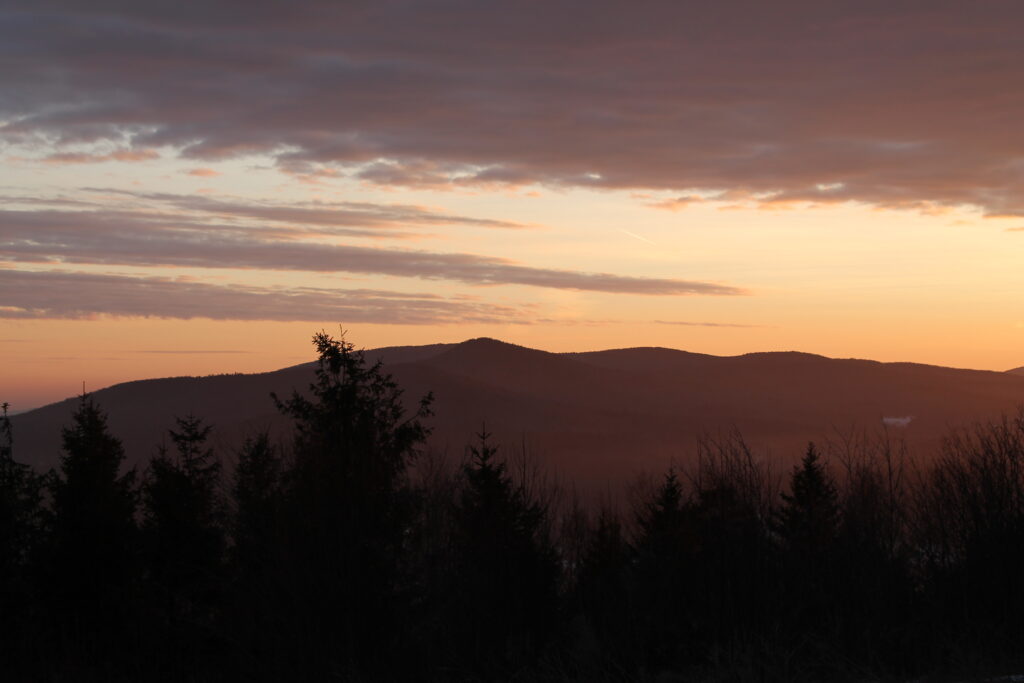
point(676, 203)
point(203, 172)
point(333, 214)
point(48, 236)
point(85, 158)
point(69, 295)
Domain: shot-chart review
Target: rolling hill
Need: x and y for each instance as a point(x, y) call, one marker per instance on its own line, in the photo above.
point(597, 417)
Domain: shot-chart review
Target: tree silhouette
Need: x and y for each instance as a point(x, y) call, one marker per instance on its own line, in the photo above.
point(20, 498)
point(601, 594)
point(183, 525)
point(255, 560)
point(349, 506)
point(809, 517)
point(258, 487)
point(92, 563)
point(807, 524)
point(506, 573)
point(664, 550)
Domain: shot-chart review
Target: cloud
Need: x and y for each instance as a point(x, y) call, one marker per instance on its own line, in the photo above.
point(363, 214)
point(68, 295)
point(49, 236)
point(203, 172)
point(676, 203)
point(353, 219)
point(84, 158)
point(899, 105)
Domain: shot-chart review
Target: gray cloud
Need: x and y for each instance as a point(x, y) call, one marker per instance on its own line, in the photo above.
point(354, 219)
point(48, 236)
point(49, 294)
point(332, 214)
point(896, 104)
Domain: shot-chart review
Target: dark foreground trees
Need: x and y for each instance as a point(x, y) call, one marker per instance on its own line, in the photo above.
point(20, 525)
point(342, 553)
point(503, 602)
point(91, 567)
point(347, 510)
point(183, 540)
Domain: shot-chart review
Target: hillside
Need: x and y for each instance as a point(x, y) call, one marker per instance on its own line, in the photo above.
point(597, 417)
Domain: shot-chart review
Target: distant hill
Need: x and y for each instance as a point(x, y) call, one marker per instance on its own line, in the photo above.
point(598, 417)
point(1017, 371)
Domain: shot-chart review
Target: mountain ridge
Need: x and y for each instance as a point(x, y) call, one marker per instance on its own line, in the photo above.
point(597, 416)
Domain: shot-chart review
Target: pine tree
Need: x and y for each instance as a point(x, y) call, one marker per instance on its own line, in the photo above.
point(183, 523)
point(602, 592)
point(348, 506)
point(258, 486)
point(20, 497)
point(664, 550)
point(255, 589)
point(662, 519)
point(807, 526)
point(91, 564)
point(506, 569)
point(809, 517)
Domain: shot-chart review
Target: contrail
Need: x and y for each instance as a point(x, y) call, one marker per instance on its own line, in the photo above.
point(636, 236)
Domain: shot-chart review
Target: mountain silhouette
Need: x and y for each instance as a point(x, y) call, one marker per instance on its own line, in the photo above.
point(597, 417)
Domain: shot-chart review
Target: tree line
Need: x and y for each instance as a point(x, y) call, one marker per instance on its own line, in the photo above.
point(350, 553)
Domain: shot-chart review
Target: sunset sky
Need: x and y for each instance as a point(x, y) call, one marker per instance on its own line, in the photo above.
point(195, 188)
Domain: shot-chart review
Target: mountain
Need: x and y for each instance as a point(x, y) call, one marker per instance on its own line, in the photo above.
point(1016, 371)
point(597, 417)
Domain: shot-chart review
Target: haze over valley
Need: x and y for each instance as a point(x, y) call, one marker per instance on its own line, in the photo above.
point(598, 418)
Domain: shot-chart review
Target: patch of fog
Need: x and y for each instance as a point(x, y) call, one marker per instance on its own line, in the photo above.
point(897, 421)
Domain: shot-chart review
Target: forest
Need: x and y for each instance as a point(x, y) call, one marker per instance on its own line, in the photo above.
point(352, 552)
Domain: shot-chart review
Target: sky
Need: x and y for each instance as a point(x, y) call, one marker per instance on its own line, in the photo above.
point(196, 188)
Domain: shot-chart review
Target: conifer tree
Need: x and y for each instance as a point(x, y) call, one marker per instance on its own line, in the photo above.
point(257, 494)
point(257, 534)
point(602, 590)
point(183, 523)
point(809, 517)
point(92, 559)
point(664, 557)
point(348, 505)
point(661, 520)
point(506, 568)
point(807, 525)
point(20, 498)
point(19, 503)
